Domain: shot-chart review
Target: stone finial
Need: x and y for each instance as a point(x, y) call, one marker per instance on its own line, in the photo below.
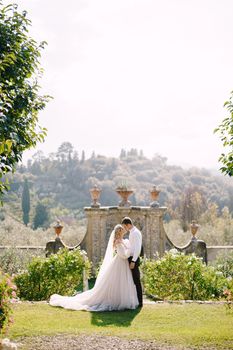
point(58, 228)
point(95, 194)
point(124, 192)
point(194, 227)
point(154, 193)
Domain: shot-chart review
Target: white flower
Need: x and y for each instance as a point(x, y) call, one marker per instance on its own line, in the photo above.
point(219, 273)
point(174, 251)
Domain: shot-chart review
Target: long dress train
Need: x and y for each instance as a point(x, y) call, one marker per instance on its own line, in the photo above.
point(114, 290)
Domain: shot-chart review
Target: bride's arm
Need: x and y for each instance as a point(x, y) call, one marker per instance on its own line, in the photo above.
point(122, 250)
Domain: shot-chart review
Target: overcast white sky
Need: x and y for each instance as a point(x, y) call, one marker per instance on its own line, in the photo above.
point(147, 74)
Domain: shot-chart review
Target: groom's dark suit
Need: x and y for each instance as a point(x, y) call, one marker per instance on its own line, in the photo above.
point(135, 239)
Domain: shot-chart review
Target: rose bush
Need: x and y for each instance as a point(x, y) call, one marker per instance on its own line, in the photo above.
point(7, 295)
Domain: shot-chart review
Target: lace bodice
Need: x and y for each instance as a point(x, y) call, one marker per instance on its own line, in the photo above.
point(122, 249)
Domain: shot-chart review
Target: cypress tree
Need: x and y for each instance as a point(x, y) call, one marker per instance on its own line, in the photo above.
point(41, 217)
point(83, 157)
point(26, 202)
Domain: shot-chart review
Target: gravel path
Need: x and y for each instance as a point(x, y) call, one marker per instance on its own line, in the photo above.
point(61, 342)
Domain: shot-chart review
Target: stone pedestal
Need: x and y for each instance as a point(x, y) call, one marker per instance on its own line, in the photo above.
point(53, 246)
point(101, 221)
point(195, 245)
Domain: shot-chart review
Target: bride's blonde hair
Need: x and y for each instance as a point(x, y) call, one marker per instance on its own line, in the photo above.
point(117, 233)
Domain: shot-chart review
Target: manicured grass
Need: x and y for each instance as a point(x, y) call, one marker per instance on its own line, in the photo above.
point(183, 324)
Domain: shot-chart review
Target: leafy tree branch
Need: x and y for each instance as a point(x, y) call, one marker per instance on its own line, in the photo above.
point(225, 129)
point(20, 100)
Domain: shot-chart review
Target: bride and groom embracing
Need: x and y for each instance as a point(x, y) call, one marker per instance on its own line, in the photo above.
point(118, 285)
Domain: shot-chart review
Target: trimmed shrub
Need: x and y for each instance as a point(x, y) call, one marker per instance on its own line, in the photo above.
point(178, 276)
point(61, 273)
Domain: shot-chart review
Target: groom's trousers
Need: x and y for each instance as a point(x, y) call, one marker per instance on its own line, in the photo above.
point(136, 279)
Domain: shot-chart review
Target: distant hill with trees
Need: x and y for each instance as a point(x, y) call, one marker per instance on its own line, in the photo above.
point(61, 183)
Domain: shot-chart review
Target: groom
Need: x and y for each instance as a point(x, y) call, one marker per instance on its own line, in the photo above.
point(135, 241)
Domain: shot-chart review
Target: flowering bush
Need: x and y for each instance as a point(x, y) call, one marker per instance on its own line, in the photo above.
point(228, 293)
point(61, 273)
point(178, 276)
point(224, 263)
point(7, 294)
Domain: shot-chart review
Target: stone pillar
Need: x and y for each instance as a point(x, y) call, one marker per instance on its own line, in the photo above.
point(101, 221)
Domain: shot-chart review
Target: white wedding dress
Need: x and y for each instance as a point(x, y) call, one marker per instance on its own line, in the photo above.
point(114, 288)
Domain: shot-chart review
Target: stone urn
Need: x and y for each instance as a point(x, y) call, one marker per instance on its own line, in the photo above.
point(58, 228)
point(95, 194)
point(124, 193)
point(154, 193)
point(194, 227)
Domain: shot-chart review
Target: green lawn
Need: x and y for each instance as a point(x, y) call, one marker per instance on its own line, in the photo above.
point(177, 324)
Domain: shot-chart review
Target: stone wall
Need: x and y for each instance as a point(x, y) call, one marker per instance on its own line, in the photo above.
point(149, 220)
point(214, 251)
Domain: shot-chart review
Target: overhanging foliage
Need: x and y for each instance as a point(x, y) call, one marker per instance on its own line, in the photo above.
point(20, 101)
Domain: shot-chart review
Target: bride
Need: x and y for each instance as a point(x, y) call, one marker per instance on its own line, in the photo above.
point(114, 288)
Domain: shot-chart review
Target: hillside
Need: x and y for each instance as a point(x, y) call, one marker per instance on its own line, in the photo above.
point(62, 182)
